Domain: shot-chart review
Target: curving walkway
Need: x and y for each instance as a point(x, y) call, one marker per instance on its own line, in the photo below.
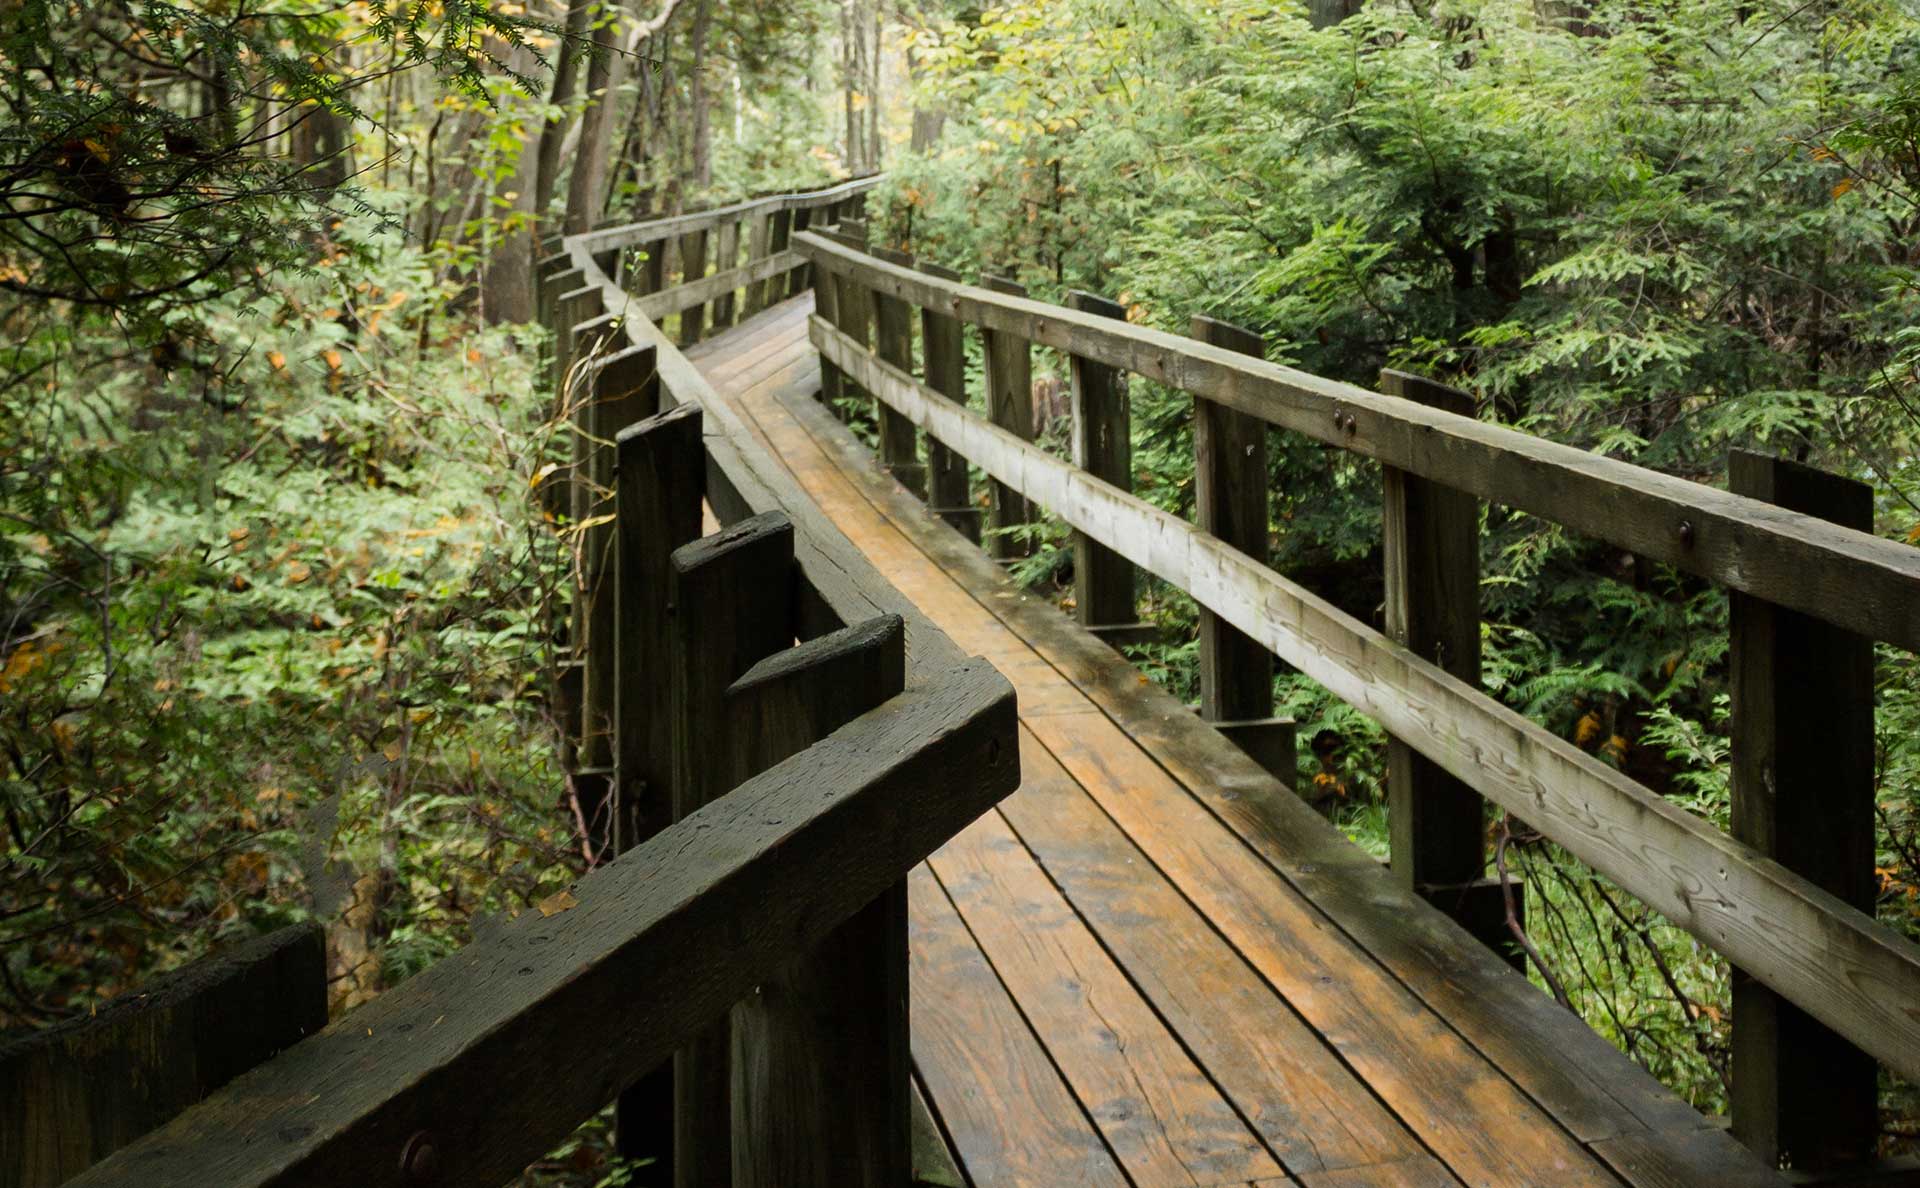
point(1153, 966)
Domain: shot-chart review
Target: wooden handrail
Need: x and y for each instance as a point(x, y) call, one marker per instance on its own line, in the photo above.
point(603, 238)
point(1852, 579)
point(479, 1065)
point(1857, 976)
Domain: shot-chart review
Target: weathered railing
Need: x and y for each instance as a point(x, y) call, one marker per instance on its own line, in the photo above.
point(1788, 898)
point(768, 796)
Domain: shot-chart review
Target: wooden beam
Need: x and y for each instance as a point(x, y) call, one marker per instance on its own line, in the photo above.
point(726, 262)
point(732, 599)
point(74, 1093)
point(1849, 578)
point(693, 266)
point(602, 237)
point(1431, 541)
point(821, 1088)
point(1230, 503)
point(662, 476)
point(853, 314)
point(1803, 784)
point(566, 1008)
point(657, 305)
point(1855, 975)
point(1009, 378)
point(1103, 581)
point(893, 338)
point(943, 352)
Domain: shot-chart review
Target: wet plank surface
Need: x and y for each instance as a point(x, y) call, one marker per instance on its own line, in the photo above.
point(1151, 966)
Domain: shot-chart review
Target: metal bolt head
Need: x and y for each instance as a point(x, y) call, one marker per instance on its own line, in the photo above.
point(1686, 533)
point(420, 1159)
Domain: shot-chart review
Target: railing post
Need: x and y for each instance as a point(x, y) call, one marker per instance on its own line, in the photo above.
point(759, 236)
point(1009, 373)
point(693, 260)
point(1230, 498)
point(651, 276)
point(726, 255)
point(800, 278)
point(893, 342)
point(821, 1082)
point(1103, 581)
point(661, 481)
point(853, 311)
point(1803, 775)
point(732, 606)
point(1431, 541)
point(944, 354)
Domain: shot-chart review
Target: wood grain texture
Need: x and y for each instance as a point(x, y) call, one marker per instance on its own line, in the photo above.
point(693, 266)
point(1156, 1108)
point(1579, 1078)
point(1009, 388)
point(1012, 1120)
point(1803, 766)
point(726, 257)
point(731, 600)
point(800, 202)
point(715, 287)
point(543, 1012)
point(72, 1094)
point(1430, 541)
point(893, 341)
point(1852, 973)
point(1852, 579)
point(944, 360)
point(1102, 445)
point(820, 1058)
point(1230, 504)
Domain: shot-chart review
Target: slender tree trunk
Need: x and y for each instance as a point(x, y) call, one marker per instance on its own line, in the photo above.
point(596, 128)
point(565, 72)
point(701, 167)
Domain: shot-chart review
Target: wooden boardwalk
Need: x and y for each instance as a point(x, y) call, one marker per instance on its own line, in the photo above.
point(1152, 965)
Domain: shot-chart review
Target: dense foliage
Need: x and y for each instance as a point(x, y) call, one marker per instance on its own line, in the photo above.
point(1660, 231)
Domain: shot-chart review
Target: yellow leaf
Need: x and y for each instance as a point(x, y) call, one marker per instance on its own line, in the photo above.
point(591, 522)
point(239, 534)
point(333, 360)
point(1842, 186)
point(556, 903)
point(297, 572)
point(540, 475)
point(277, 360)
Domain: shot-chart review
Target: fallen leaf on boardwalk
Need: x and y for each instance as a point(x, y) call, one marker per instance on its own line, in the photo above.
point(556, 903)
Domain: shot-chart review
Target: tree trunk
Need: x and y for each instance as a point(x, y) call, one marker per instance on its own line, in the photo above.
point(565, 72)
point(596, 129)
point(700, 173)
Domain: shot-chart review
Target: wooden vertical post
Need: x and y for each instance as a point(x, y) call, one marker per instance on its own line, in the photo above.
point(1803, 772)
point(726, 255)
point(732, 606)
point(623, 388)
point(74, 1093)
point(659, 487)
point(1103, 581)
point(821, 1058)
point(944, 355)
point(1431, 541)
point(759, 235)
point(826, 303)
point(802, 277)
point(693, 259)
point(1230, 496)
point(893, 342)
point(853, 307)
point(651, 276)
point(1009, 367)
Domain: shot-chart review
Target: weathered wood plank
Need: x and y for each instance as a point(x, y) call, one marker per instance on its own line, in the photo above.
point(1803, 761)
point(561, 1011)
point(1584, 1082)
point(1103, 581)
point(1009, 381)
point(602, 237)
point(693, 266)
point(893, 341)
point(732, 599)
point(944, 361)
point(1852, 579)
point(1854, 974)
point(1155, 1106)
point(1011, 1118)
point(820, 1057)
point(726, 263)
point(658, 304)
point(1230, 504)
point(1430, 537)
point(662, 474)
point(74, 1093)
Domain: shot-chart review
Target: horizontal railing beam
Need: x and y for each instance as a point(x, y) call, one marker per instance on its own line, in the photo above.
point(699, 292)
point(1837, 963)
point(630, 233)
point(539, 1023)
point(1853, 579)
